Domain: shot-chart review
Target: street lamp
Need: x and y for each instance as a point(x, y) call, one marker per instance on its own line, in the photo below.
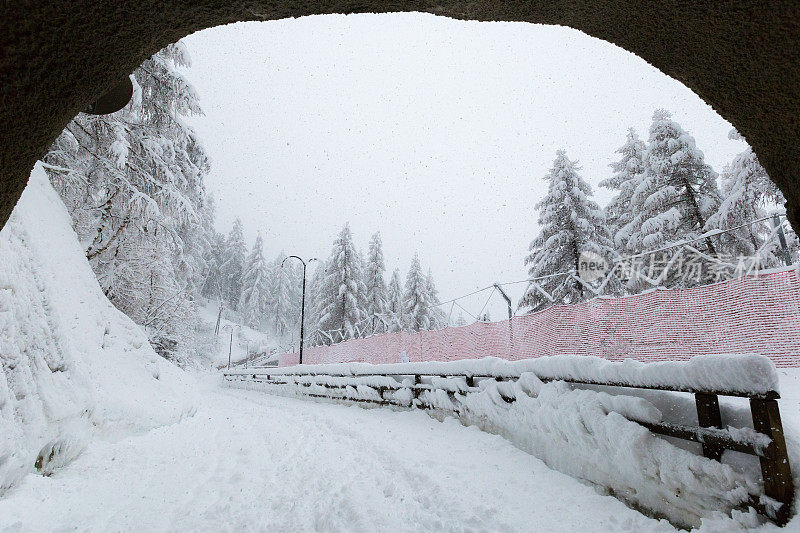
point(302, 301)
point(230, 327)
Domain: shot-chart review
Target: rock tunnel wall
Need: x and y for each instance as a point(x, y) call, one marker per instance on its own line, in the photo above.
point(741, 56)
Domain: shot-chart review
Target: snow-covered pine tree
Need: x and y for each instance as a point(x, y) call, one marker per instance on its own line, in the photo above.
point(627, 174)
point(570, 224)
point(747, 193)
point(295, 276)
point(315, 303)
point(285, 295)
point(209, 284)
point(133, 183)
point(395, 305)
point(255, 286)
point(232, 266)
point(678, 192)
point(342, 292)
point(415, 299)
point(213, 284)
point(375, 285)
point(460, 320)
point(365, 328)
point(438, 319)
point(197, 238)
point(147, 287)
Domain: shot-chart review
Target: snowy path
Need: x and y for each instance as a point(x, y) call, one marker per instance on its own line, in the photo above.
point(250, 461)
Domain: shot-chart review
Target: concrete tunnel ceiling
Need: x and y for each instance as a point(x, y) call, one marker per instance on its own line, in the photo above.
point(741, 56)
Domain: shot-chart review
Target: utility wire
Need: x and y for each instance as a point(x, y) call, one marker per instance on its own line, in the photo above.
point(620, 259)
point(487, 303)
point(462, 308)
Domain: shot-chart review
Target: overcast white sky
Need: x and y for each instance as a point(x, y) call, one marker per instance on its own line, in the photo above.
point(435, 132)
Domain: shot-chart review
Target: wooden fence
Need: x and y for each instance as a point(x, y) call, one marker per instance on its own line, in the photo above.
point(767, 443)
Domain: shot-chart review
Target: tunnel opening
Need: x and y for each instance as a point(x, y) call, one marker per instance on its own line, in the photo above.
point(423, 129)
point(145, 247)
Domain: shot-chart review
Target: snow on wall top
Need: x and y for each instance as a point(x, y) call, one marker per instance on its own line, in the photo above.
point(735, 373)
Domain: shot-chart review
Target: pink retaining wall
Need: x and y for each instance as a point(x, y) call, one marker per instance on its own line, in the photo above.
point(755, 314)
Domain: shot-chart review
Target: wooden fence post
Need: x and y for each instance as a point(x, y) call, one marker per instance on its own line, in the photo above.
point(708, 416)
point(776, 471)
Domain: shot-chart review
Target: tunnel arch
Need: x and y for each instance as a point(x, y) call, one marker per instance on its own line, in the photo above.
point(742, 57)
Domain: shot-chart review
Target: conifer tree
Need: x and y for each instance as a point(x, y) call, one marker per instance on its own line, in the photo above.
point(415, 300)
point(396, 306)
point(315, 303)
point(255, 286)
point(213, 243)
point(342, 292)
point(133, 183)
point(214, 257)
point(627, 174)
point(438, 319)
point(678, 192)
point(375, 285)
point(747, 192)
point(570, 224)
point(232, 266)
point(285, 294)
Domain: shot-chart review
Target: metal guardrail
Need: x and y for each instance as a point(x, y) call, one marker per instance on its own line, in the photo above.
point(768, 443)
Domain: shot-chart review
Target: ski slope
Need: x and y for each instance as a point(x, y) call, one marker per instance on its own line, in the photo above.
point(252, 461)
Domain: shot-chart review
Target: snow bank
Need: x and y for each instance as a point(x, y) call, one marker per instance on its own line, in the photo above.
point(72, 364)
point(585, 433)
point(739, 373)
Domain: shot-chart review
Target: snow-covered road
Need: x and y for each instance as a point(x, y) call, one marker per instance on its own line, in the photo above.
point(251, 461)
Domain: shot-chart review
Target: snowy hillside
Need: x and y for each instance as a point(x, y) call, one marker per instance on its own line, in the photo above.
point(214, 353)
point(73, 366)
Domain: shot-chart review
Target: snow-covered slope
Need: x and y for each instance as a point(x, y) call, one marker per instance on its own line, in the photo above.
point(72, 364)
point(256, 462)
point(215, 348)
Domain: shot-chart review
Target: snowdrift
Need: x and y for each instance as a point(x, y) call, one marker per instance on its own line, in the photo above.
point(582, 431)
point(73, 366)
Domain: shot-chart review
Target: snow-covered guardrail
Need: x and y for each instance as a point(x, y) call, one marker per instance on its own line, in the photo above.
point(446, 386)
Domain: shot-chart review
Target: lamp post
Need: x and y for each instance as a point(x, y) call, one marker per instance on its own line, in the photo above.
point(230, 346)
point(302, 301)
point(219, 319)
